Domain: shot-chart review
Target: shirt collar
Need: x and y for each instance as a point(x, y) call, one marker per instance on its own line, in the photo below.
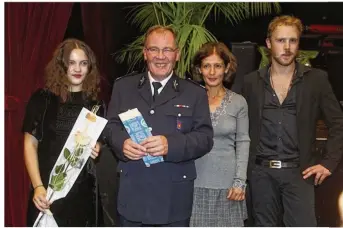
point(163, 82)
point(295, 78)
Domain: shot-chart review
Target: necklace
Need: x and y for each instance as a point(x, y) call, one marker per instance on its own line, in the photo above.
point(215, 96)
point(284, 89)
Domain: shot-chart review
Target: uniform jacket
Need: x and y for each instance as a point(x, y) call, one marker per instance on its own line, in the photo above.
point(314, 98)
point(163, 192)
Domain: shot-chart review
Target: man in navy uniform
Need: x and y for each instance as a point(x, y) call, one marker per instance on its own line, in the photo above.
point(177, 112)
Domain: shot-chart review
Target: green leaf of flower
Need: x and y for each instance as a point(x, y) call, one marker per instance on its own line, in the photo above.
point(73, 163)
point(59, 169)
point(78, 151)
point(66, 153)
point(57, 181)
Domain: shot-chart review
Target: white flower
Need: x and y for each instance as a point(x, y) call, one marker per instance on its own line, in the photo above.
point(82, 139)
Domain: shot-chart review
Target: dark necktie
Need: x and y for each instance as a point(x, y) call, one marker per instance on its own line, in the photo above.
point(156, 86)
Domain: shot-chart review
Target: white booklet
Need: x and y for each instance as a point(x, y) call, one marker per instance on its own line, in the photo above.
point(71, 160)
point(138, 130)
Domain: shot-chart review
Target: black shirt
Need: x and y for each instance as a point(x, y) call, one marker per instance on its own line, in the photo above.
point(279, 137)
point(55, 122)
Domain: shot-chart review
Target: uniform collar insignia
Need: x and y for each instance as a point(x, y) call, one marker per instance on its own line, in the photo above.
point(176, 85)
point(142, 81)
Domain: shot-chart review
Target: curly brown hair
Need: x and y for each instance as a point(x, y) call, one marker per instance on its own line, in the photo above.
point(56, 70)
point(219, 49)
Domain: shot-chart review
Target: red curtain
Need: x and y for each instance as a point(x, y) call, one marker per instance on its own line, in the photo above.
point(99, 33)
point(32, 32)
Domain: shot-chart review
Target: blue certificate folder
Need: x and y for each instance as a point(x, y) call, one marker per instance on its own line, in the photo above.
point(138, 130)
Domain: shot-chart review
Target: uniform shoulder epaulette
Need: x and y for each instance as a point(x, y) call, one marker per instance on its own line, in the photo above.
point(127, 75)
point(195, 83)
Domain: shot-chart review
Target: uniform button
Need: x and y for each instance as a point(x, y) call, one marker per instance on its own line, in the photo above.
point(184, 177)
point(279, 138)
point(121, 170)
point(279, 122)
point(274, 95)
point(150, 128)
point(152, 111)
point(179, 115)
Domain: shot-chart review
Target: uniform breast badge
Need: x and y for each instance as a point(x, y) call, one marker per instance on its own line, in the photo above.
point(178, 124)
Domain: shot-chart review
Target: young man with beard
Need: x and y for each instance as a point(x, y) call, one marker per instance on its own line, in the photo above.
point(285, 100)
point(177, 112)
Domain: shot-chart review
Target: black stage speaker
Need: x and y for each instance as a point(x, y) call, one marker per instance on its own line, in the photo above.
point(248, 60)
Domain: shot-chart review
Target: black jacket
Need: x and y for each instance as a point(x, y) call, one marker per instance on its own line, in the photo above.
point(315, 97)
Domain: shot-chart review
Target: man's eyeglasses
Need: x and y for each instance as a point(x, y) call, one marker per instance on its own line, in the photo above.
point(156, 50)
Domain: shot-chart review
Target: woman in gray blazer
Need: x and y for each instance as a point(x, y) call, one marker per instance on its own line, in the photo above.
point(219, 194)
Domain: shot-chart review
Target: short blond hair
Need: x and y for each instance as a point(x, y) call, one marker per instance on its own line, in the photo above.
point(284, 20)
point(160, 28)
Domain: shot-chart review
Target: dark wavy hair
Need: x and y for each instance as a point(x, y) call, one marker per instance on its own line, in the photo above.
point(56, 71)
point(209, 49)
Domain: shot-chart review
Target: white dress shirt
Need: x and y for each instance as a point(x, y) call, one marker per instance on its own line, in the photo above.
point(163, 82)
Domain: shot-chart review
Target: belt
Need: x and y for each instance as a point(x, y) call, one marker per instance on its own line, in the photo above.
point(276, 164)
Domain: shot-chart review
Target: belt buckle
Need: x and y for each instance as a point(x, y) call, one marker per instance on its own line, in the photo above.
point(275, 164)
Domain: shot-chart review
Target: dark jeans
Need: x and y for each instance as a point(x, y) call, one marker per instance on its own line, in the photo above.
point(126, 223)
point(282, 195)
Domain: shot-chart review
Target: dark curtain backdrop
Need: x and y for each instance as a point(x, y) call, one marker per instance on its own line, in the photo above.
point(99, 34)
point(32, 32)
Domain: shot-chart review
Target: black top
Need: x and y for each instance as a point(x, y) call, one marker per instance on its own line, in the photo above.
point(50, 121)
point(279, 137)
point(314, 96)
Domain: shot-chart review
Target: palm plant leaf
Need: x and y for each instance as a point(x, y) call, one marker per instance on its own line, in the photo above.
point(141, 16)
point(166, 12)
point(305, 56)
point(131, 53)
point(265, 56)
point(197, 36)
point(238, 11)
point(261, 8)
point(234, 12)
point(188, 19)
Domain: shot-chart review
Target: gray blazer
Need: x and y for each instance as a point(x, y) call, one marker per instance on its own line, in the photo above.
point(227, 162)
